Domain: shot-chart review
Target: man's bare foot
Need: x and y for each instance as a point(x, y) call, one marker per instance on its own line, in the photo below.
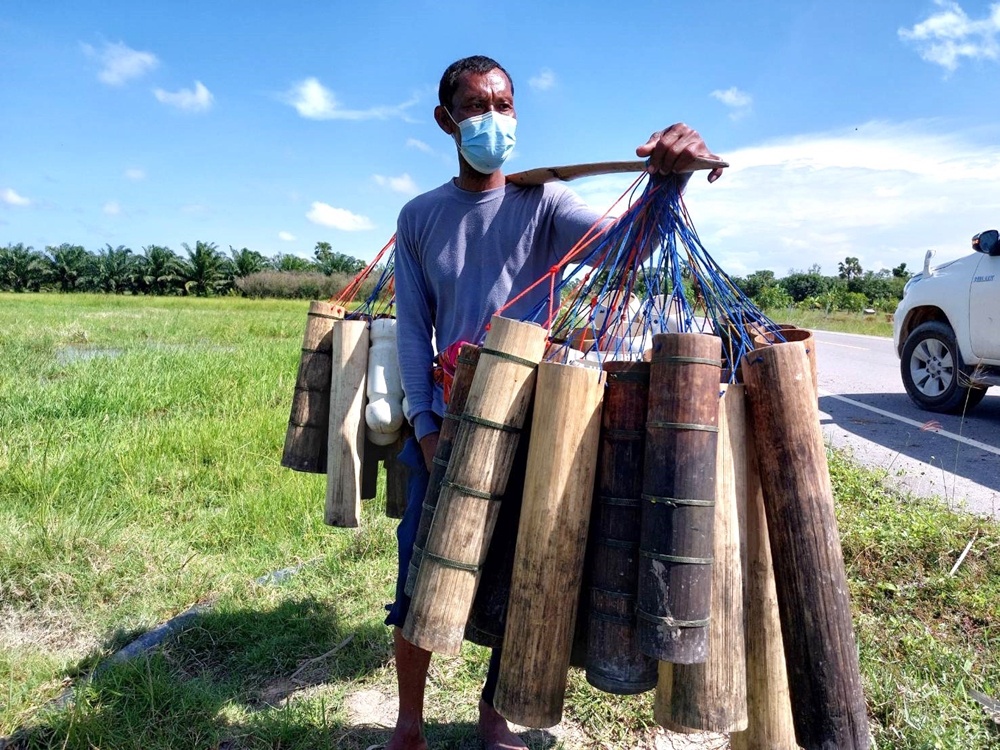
point(493, 730)
point(407, 738)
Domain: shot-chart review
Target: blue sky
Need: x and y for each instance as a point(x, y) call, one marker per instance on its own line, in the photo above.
point(854, 128)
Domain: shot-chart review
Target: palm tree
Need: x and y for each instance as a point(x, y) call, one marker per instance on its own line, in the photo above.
point(330, 262)
point(115, 270)
point(285, 262)
point(159, 270)
point(21, 268)
point(67, 264)
point(206, 270)
point(246, 262)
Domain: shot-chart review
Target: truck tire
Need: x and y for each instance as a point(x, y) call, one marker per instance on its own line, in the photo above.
point(934, 375)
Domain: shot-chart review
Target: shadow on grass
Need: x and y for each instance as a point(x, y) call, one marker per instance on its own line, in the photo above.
point(222, 681)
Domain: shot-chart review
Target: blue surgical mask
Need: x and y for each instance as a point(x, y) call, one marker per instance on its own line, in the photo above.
point(486, 140)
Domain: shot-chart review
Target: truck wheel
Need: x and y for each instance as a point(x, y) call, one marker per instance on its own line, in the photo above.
point(933, 372)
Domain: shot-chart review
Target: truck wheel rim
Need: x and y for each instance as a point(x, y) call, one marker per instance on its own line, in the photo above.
point(932, 367)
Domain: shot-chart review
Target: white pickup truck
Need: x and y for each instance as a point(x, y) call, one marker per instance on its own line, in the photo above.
point(947, 329)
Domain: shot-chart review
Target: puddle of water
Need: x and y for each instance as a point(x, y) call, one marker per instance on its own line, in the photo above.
point(72, 353)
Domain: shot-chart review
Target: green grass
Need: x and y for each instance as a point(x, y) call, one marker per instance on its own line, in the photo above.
point(139, 475)
point(879, 324)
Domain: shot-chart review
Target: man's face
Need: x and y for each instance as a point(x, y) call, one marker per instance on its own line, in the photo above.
point(479, 93)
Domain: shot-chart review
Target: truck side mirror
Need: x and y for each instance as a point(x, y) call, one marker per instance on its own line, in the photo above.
point(987, 242)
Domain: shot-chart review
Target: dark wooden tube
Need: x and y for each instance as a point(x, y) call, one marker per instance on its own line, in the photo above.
point(476, 478)
point(828, 705)
point(551, 542)
point(465, 369)
point(308, 424)
point(396, 476)
point(678, 509)
point(712, 696)
point(614, 663)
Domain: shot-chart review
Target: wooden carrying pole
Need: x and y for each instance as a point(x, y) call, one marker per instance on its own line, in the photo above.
point(309, 422)
point(465, 368)
point(551, 541)
point(614, 662)
point(712, 696)
point(828, 705)
point(769, 708)
point(675, 556)
point(345, 454)
point(476, 478)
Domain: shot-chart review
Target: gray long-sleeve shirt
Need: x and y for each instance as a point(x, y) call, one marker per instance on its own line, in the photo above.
point(460, 256)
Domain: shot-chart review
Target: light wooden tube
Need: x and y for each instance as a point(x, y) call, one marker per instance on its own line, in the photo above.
point(476, 478)
point(769, 708)
point(465, 369)
point(551, 541)
point(675, 556)
point(711, 697)
point(309, 421)
point(346, 443)
point(828, 705)
point(614, 662)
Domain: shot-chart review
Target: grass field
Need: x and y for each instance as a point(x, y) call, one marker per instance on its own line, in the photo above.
point(139, 476)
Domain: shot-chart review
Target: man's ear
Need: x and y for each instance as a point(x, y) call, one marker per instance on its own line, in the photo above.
point(443, 119)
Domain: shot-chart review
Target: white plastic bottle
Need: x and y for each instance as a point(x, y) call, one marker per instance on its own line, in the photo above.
point(384, 412)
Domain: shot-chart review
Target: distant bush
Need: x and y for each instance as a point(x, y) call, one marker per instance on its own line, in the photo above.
point(298, 285)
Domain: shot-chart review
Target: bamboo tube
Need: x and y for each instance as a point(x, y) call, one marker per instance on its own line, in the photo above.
point(790, 334)
point(345, 452)
point(769, 708)
point(675, 556)
point(828, 705)
point(372, 458)
point(465, 368)
point(614, 662)
point(551, 542)
point(309, 421)
point(477, 474)
point(712, 697)
point(396, 477)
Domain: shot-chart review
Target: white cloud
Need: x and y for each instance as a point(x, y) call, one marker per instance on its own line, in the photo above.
point(419, 145)
point(403, 184)
point(286, 236)
point(120, 63)
point(135, 174)
point(882, 192)
point(947, 36)
point(198, 100)
point(112, 208)
point(545, 80)
point(739, 102)
point(13, 198)
point(314, 101)
point(338, 218)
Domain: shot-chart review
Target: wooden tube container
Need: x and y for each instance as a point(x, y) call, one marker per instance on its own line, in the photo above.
point(476, 478)
point(396, 477)
point(828, 705)
point(373, 455)
point(790, 334)
point(712, 696)
point(678, 510)
point(465, 368)
point(614, 662)
point(769, 710)
point(346, 442)
point(551, 541)
point(309, 422)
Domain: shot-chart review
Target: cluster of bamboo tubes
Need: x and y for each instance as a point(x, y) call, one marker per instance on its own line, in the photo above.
point(326, 428)
point(715, 573)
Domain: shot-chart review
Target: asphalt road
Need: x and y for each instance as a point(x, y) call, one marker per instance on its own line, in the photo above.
point(864, 409)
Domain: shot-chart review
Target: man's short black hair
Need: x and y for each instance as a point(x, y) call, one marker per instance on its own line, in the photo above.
point(474, 64)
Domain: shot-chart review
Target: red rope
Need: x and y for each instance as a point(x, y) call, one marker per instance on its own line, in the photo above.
point(347, 293)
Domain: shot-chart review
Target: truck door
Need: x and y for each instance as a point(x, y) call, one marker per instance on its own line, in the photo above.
point(984, 309)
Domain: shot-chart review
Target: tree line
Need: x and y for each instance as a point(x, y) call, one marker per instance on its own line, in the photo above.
point(202, 270)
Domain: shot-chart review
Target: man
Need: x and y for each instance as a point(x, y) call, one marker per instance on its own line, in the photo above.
point(463, 250)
